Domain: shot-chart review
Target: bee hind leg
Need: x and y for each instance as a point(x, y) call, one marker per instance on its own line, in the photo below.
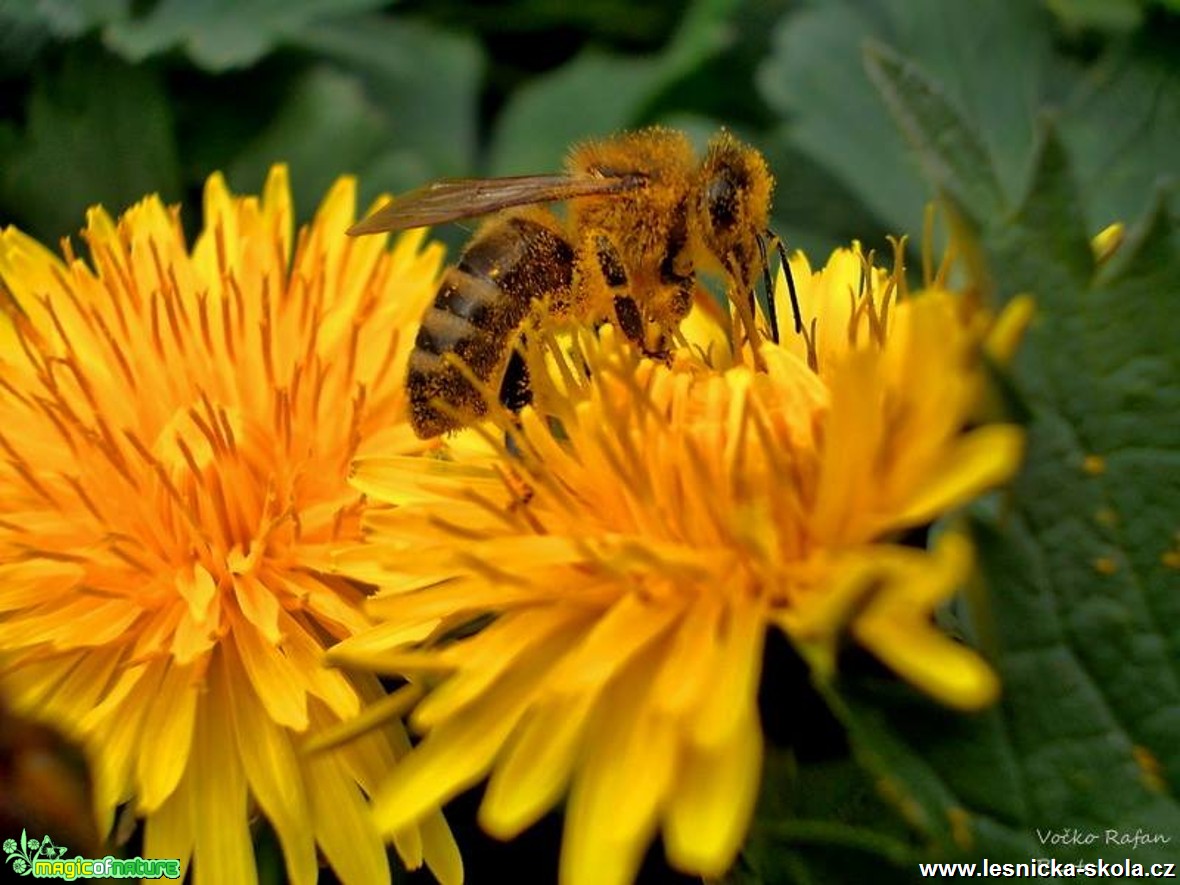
point(515, 389)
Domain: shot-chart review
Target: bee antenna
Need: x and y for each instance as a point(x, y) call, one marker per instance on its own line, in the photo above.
point(771, 313)
point(786, 263)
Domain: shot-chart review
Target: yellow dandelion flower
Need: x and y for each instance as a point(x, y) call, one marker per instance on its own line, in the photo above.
point(176, 426)
point(650, 524)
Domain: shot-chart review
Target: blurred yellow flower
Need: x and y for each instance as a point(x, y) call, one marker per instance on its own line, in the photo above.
point(176, 428)
point(648, 526)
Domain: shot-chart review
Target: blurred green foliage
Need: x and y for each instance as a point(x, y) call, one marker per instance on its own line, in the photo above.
point(1040, 122)
point(105, 100)
point(1085, 737)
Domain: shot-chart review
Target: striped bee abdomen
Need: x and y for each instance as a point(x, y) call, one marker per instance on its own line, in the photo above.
point(478, 310)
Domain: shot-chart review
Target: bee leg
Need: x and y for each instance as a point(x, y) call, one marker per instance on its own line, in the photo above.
point(629, 318)
point(786, 263)
point(745, 305)
point(771, 313)
point(515, 390)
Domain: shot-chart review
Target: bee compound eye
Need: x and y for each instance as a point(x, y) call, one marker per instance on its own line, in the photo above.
point(721, 201)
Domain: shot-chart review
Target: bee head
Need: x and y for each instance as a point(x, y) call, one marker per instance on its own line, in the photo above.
point(732, 205)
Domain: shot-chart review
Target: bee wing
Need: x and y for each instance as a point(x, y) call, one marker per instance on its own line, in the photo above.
point(455, 198)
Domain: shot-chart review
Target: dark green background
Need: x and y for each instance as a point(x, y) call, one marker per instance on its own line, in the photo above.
point(105, 100)
point(1038, 123)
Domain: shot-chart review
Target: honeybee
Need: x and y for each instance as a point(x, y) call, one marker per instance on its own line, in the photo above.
point(644, 216)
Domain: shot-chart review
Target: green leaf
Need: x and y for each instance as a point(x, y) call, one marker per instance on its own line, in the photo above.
point(813, 210)
point(1048, 230)
point(98, 131)
point(1102, 15)
point(393, 102)
point(599, 93)
point(831, 116)
point(1082, 619)
point(821, 823)
point(951, 152)
point(72, 18)
point(325, 127)
point(424, 82)
point(1122, 124)
point(579, 100)
point(991, 60)
point(222, 34)
point(23, 35)
point(1000, 66)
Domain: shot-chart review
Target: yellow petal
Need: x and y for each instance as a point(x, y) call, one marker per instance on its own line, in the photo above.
point(713, 800)
point(170, 723)
point(220, 235)
point(198, 589)
point(169, 831)
point(29, 272)
point(950, 673)
point(258, 605)
point(376, 713)
point(223, 850)
point(631, 758)
point(274, 775)
point(119, 735)
point(460, 750)
point(30, 582)
point(441, 852)
point(344, 828)
point(277, 684)
point(493, 651)
point(381, 649)
point(980, 460)
point(630, 627)
point(896, 626)
point(851, 436)
point(414, 479)
point(278, 214)
point(1008, 329)
point(1108, 240)
point(55, 693)
point(688, 669)
point(306, 656)
point(536, 766)
point(734, 686)
point(78, 622)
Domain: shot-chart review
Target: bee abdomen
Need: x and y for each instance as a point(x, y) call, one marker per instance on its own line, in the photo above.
point(477, 311)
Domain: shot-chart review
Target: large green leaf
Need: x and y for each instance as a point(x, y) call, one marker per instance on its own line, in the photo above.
point(831, 116)
point(823, 823)
point(72, 18)
point(1122, 124)
point(325, 127)
point(23, 35)
point(97, 131)
point(1081, 617)
point(598, 93)
point(992, 57)
point(1105, 15)
point(1083, 620)
point(222, 34)
point(424, 81)
point(1000, 64)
